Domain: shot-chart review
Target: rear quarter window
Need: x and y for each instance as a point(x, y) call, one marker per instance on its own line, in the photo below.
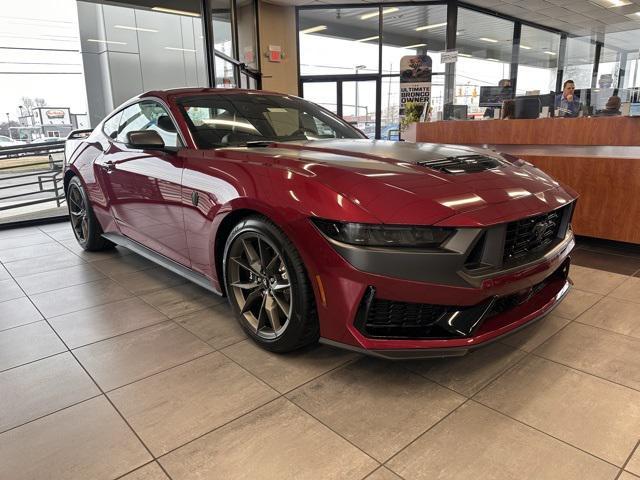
point(110, 127)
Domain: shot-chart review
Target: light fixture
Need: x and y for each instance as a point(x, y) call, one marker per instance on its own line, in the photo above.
point(109, 42)
point(617, 3)
point(368, 38)
point(416, 45)
point(177, 12)
point(317, 28)
point(493, 59)
point(464, 55)
point(525, 47)
point(429, 27)
point(549, 53)
point(137, 29)
point(375, 14)
point(179, 49)
point(490, 40)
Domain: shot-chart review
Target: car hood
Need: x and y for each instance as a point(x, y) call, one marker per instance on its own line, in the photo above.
point(394, 183)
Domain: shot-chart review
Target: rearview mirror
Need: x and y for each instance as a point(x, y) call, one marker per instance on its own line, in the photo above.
point(145, 139)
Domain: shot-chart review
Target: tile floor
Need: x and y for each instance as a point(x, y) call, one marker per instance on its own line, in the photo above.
point(111, 367)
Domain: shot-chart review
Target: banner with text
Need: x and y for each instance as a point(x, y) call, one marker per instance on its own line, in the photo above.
point(415, 81)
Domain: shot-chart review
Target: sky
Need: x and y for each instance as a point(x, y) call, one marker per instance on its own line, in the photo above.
point(53, 74)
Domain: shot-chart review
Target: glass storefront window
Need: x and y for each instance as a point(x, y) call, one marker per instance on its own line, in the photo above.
point(484, 43)
point(221, 19)
point(324, 94)
point(537, 61)
point(359, 105)
point(225, 74)
point(247, 44)
point(339, 41)
point(414, 30)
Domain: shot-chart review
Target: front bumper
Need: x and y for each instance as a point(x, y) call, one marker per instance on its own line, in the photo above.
point(342, 289)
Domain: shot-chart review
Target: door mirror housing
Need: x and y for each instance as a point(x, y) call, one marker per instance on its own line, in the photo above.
point(145, 139)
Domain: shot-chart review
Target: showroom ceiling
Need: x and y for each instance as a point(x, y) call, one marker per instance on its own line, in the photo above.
point(578, 17)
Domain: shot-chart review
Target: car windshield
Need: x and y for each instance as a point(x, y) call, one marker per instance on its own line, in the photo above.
point(236, 119)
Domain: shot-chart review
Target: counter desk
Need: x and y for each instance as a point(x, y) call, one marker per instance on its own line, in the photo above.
point(599, 157)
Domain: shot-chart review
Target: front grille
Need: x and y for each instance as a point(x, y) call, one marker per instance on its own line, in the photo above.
point(392, 319)
point(534, 234)
point(463, 164)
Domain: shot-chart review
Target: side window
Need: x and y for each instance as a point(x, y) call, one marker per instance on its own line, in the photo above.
point(148, 116)
point(110, 127)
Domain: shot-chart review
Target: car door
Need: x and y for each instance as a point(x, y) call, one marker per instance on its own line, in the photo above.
point(144, 185)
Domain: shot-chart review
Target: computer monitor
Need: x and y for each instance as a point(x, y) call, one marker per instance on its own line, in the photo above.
point(494, 96)
point(634, 109)
point(454, 112)
point(528, 107)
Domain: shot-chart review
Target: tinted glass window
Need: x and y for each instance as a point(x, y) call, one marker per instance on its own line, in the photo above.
point(110, 127)
point(148, 116)
point(232, 120)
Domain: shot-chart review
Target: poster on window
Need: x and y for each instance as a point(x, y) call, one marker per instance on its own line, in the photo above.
point(415, 81)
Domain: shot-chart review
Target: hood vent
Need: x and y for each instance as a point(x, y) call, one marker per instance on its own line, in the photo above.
point(463, 164)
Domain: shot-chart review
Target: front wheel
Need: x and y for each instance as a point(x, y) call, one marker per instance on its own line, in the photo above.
point(268, 288)
point(83, 221)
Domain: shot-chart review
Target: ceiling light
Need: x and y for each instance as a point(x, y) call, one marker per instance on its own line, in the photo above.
point(179, 49)
point(429, 27)
point(464, 55)
point(490, 40)
point(137, 29)
point(110, 42)
point(318, 28)
point(525, 47)
point(177, 12)
point(375, 14)
point(549, 53)
point(367, 39)
point(416, 45)
point(618, 3)
point(493, 59)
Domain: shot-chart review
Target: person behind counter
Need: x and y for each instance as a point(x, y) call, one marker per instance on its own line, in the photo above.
point(567, 104)
point(508, 109)
point(505, 85)
point(612, 108)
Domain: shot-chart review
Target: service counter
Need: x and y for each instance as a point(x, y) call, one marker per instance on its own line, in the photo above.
point(599, 157)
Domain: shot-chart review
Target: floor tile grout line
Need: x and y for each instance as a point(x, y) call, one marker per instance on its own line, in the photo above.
point(66, 407)
point(547, 434)
point(586, 248)
point(143, 466)
point(386, 462)
point(608, 380)
point(33, 361)
point(577, 320)
point(378, 462)
point(635, 449)
point(22, 324)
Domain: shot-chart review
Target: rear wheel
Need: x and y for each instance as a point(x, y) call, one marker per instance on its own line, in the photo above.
point(83, 221)
point(268, 288)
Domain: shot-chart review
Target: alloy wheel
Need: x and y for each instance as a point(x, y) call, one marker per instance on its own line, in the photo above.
point(261, 285)
point(78, 212)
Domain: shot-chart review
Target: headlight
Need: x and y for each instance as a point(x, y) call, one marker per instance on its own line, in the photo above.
point(371, 235)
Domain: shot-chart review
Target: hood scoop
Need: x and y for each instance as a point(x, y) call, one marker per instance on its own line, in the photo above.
point(463, 164)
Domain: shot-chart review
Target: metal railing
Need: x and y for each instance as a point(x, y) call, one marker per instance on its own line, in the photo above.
point(31, 174)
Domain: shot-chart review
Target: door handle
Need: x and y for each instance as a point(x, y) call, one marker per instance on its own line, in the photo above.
point(109, 166)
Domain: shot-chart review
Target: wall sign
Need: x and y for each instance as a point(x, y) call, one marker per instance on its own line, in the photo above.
point(449, 57)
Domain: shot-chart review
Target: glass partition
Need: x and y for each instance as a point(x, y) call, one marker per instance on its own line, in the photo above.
point(339, 41)
point(484, 43)
point(537, 61)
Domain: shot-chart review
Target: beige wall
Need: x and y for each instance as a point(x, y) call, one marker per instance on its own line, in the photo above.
point(278, 27)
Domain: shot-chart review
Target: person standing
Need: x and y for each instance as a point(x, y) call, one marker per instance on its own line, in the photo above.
point(567, 104)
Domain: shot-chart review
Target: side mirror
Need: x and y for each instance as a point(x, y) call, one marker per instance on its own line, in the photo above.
point(145, 139)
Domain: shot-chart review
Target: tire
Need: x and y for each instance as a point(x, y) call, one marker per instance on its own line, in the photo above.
point(84, 224)
point(268, 287)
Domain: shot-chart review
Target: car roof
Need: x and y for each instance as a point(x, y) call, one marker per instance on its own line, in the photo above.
point(176, 93)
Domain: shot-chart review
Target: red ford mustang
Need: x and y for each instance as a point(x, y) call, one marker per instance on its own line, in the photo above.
point(316, 233)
